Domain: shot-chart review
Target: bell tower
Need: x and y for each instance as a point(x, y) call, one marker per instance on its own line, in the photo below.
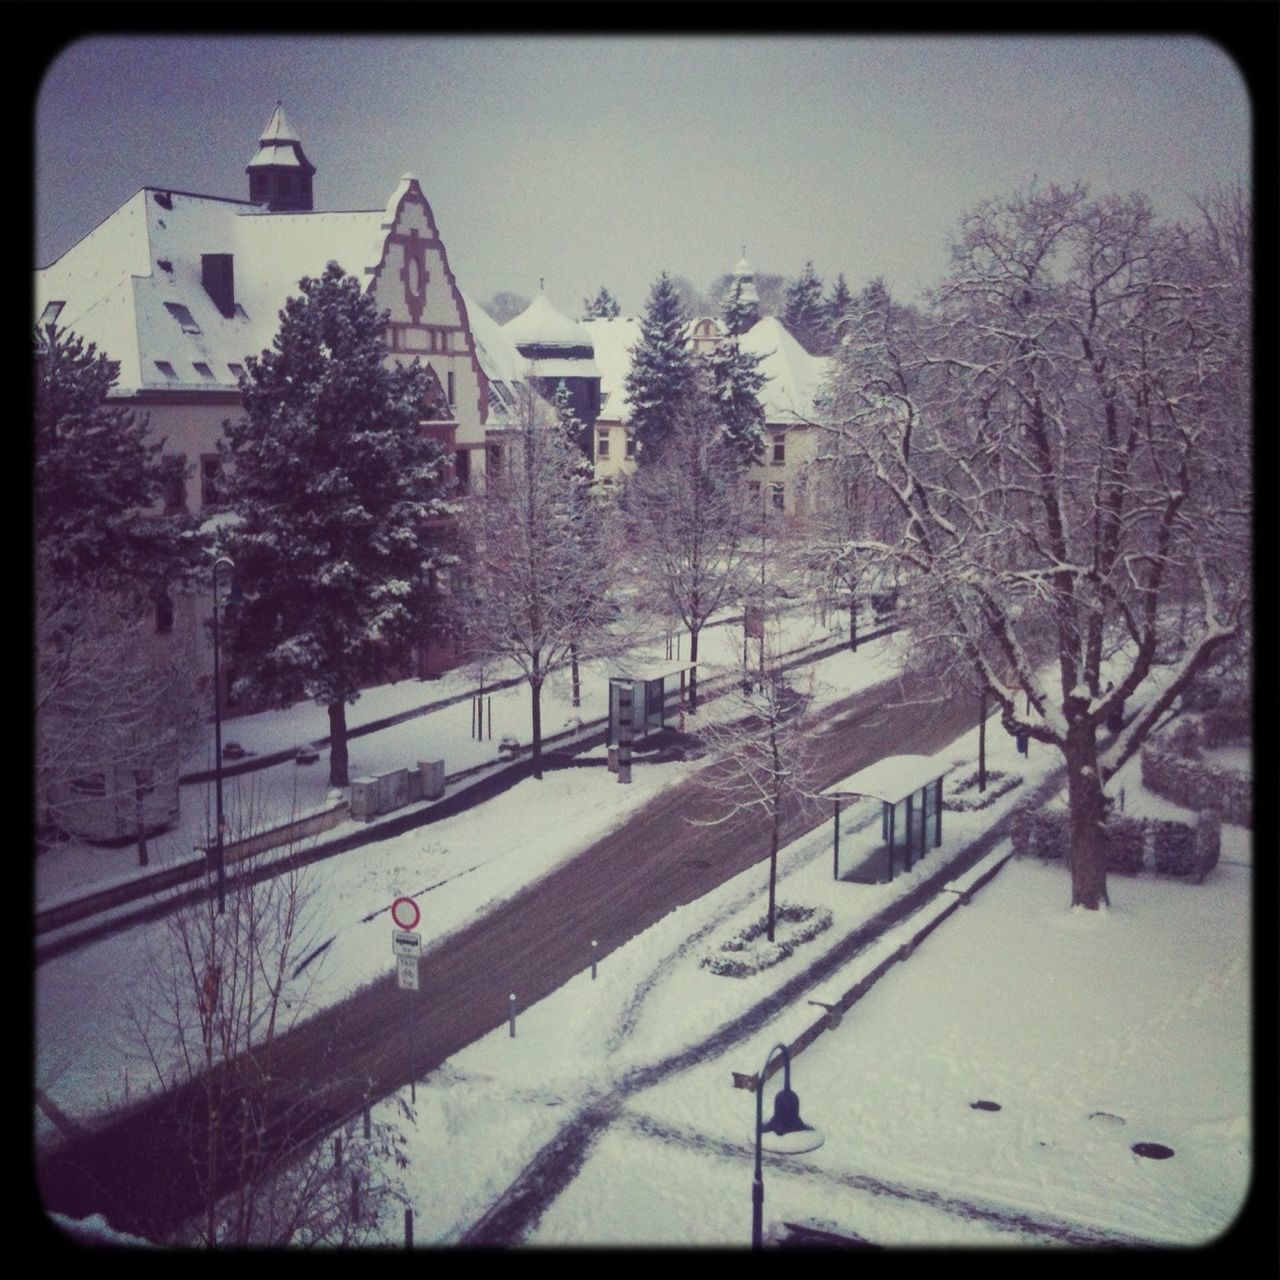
point(280, 174)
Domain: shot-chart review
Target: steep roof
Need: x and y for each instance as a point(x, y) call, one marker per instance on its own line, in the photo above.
point(542, 324)
point(134, 285)
point(612, 339)
point(795, 377)
point(279, 145)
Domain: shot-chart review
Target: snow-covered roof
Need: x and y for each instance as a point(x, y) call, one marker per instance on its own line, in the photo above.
point(891, 779)
point(581, 367)
point(795, 378)
point(279, 144)
point(612, 340)
point(134, 287)
point(653, 671)
point(497, 354)
point(542, 324)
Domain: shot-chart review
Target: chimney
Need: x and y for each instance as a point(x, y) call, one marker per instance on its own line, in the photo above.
point(217, 276)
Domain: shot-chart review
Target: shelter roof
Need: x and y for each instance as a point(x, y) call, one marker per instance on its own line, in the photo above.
point(891, 779)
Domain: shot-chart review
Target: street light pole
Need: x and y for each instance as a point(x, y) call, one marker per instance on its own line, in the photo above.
point(785, 1120)
point(217, 733)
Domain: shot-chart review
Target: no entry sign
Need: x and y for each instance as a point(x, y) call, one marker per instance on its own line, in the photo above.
point(404, 911)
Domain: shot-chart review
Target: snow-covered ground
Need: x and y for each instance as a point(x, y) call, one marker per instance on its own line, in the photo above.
point(1092, 1032)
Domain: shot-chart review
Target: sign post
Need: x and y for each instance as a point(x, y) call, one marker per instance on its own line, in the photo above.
point(406, 946)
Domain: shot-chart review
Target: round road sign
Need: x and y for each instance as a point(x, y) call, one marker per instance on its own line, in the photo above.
point(404, 911)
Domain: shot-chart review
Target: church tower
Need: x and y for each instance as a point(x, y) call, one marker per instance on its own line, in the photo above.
point(745, 300)
point(280, 175)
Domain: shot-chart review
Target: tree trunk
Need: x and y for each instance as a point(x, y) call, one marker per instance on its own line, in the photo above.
point(693, 673)
point(853, 621)
point(535, 689)
point(773, 866)
point(140, 826)
point(338, 745)
point(1088, 808)
point(982, 741)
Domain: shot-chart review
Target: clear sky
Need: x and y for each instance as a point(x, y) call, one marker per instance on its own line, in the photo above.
point(606, 160)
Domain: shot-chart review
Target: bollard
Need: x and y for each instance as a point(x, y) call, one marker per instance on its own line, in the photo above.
point(408, 1228)
point(511, 1016)
point(593, 959)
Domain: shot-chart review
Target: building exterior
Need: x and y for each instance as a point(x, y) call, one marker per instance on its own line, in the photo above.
point(179, 288)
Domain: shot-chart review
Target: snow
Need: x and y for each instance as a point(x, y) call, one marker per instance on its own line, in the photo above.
point(612, 340)
point(891, 779)
point(1092, 1030)
point(543, 324)
point(794, 376)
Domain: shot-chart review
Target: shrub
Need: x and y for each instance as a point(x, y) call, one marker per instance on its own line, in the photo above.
point(748, 951)
point(1173, 846)
point(1228, 722)
point(962, 794)
point(1043, 833)
point(1186, 739)
point(1208, 842)
point(1126, 843)
point(1197, 784)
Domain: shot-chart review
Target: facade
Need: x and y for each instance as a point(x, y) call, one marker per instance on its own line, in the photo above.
point(179, 288)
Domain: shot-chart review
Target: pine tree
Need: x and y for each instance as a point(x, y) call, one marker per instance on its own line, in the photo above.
point(738, 316)
point(604, 306)
point(663, 370)
point(334, 483)
point(837, 303)
point(735, 382)
point(98, 480)
point(805, 314)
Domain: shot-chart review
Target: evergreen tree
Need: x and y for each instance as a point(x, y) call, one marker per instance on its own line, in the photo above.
point(663, 371)
point(334, 483)
point(837, 303)
point(604, 306)
point(805, 314)
point(738, 316)
point(98, 481)
point(735, 382)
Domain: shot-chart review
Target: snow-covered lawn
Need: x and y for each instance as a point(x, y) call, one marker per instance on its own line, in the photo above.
point(1091, 1031)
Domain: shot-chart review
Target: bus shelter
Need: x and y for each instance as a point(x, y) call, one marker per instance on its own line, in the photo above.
point(652, 689)
point(909, 789)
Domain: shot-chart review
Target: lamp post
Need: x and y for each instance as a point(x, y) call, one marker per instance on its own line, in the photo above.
point(217, 732)
point(784, 1121)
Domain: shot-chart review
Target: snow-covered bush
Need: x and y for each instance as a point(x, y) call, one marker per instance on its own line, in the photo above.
point(962, 794)
point(1208, 842)
point(1042, 833)
point(1173, 846)
point(748, 951)
point(1197, 784)
point(1126, 843)
point(1228, 722)
point(1186, 739)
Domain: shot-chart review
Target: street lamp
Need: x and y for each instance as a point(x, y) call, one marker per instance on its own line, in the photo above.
point(785, 1124)
point(217, 732)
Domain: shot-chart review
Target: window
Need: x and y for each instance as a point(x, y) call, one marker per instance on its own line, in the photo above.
point(167, 370)
point(182, 316)
point(779, 450)
point(210, 480)
point(175, 483)
point(777, 492)
point(631, 446)
point(164, 614)
point(602, 444)
point(753, 488)
point(203, 370)
point(51, 313)
point(237, 370)
point(449, 380)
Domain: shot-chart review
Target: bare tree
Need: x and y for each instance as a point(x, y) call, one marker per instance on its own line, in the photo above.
point(1065, 439)
point(687, 518)
point(114, 714)
point(225, 988)
point(762, 736)
point(539, 557)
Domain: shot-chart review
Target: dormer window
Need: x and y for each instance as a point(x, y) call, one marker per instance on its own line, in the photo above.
point(51, 312)
point(183, 316)
point(237, 370)
point(203, 370)
point(167, 370)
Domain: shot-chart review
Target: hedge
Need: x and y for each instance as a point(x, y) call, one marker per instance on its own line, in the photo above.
point(1198, 784)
